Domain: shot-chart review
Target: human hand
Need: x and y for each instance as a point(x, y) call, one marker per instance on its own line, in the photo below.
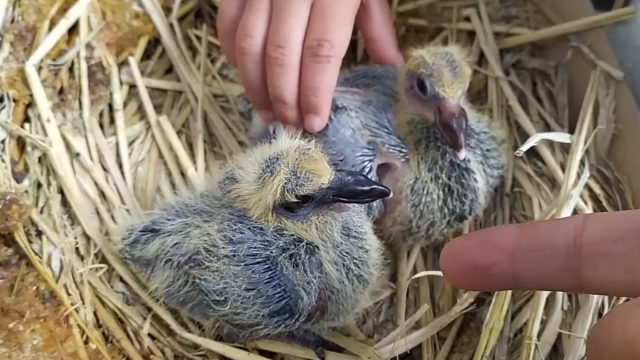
point(593, 254)
point(288, 52)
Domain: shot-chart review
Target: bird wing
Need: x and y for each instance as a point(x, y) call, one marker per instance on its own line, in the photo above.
point(211, 261)
point(275, 279)
point(364, 105)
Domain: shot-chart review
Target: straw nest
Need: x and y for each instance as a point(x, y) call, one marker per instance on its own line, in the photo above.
point(110, 106)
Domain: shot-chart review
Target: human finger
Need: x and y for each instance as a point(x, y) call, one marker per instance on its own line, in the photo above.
point(227, 21)
point(615, 336)
point(325, 45)
point(249, 50)
point(375, 22)
point(595, 254)
point(283, 51)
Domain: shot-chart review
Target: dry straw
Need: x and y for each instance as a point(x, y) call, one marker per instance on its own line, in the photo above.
point(154, 113)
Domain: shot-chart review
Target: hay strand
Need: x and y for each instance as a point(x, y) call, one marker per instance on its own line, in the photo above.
point(569, 27)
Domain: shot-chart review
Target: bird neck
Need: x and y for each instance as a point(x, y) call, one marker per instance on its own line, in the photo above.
point(406, 127)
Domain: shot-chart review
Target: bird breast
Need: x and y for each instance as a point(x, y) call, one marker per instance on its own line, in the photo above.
point(440, 191)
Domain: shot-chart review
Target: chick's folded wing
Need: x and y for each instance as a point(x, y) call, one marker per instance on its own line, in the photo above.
point(273, 278)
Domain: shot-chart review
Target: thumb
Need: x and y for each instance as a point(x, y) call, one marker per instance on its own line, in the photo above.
point(615, 336)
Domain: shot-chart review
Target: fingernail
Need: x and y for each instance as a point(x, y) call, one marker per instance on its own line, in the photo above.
point(313, 123)
point(266, 116)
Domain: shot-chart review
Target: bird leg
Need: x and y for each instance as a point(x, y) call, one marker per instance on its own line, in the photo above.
point(307, 339)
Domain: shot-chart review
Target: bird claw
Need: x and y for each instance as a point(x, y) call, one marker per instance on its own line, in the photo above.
point(319, 351)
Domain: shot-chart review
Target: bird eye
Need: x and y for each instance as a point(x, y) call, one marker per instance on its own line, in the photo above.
point(423, 87)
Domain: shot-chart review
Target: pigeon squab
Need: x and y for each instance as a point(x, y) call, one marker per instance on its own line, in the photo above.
point(279, 248)
point(457, 156)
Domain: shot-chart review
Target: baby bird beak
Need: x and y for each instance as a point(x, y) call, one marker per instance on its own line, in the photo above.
point(451, 119)
point(353, 187)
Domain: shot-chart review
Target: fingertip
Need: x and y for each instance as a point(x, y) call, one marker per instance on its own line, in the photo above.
point(396, 58)
point(455, 263)
point(314, 123)
point(475, 262)
point(315, 102)
point(286, 114)
point(448, 262)
point(315, 99)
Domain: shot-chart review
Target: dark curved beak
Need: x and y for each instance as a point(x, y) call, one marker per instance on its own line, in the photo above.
point(353, 187)
point(451, 119)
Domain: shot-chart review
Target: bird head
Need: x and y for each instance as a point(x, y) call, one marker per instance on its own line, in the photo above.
point(290, 178)
point(434, 82)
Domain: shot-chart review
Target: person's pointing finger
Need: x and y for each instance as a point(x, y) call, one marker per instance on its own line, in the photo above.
point(595, 254)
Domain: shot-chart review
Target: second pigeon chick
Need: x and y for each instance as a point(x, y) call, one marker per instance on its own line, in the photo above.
point(280, 248)
point(457, 157)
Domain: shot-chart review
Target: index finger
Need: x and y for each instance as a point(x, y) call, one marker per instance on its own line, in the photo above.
point(594, 254)
point(328, 35)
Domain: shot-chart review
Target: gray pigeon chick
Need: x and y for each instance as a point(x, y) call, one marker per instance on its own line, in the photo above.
point(457, 156)
point(280, 248)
